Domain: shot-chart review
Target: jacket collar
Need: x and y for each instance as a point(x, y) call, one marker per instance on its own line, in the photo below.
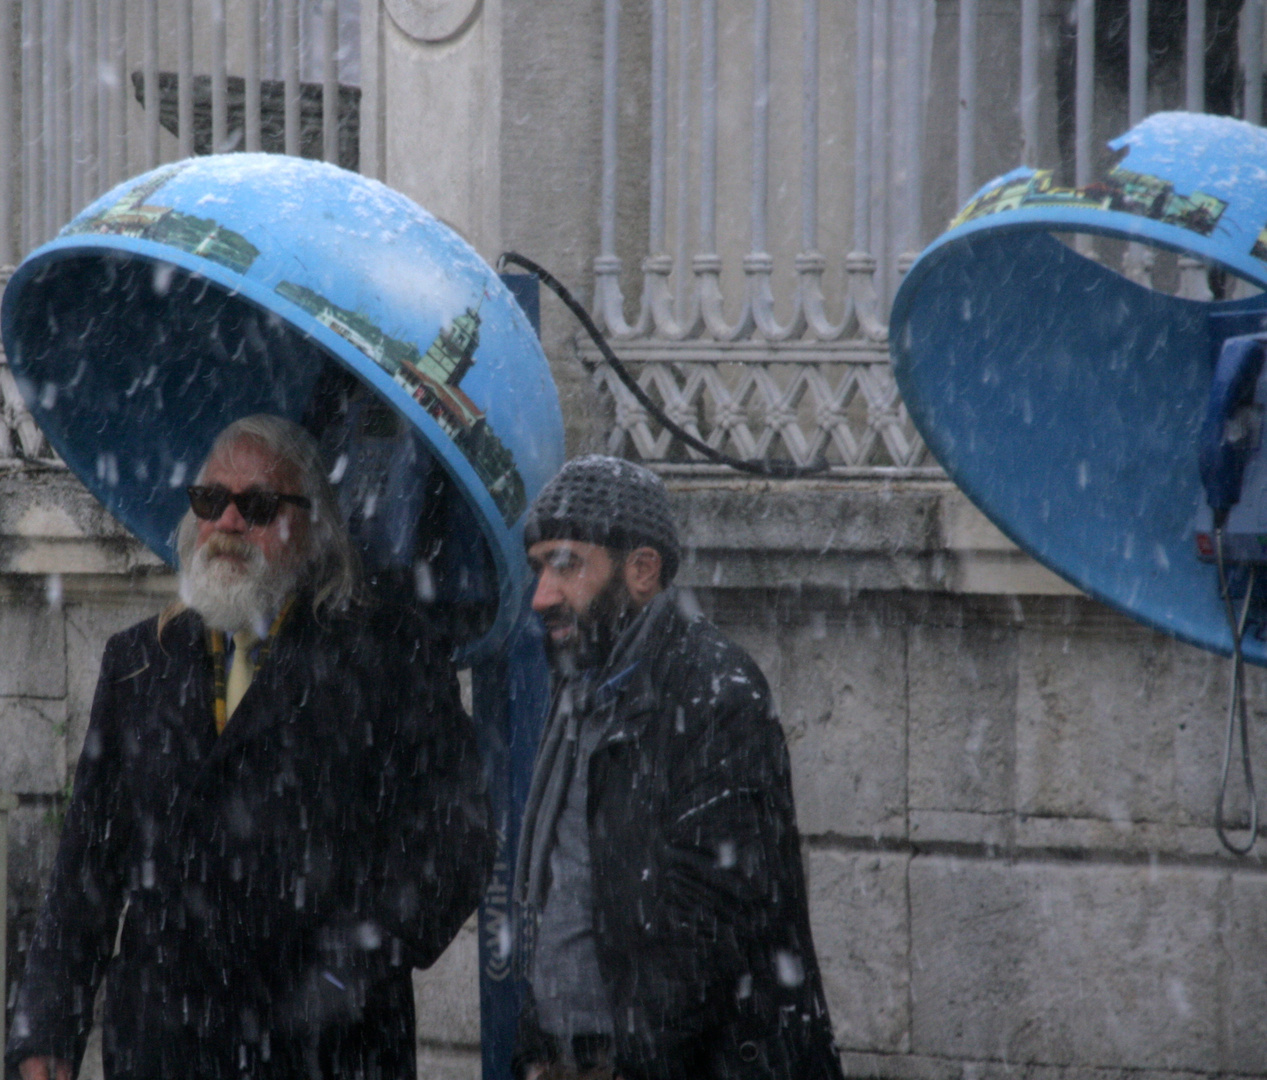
point(185, 643)
point(635, 667)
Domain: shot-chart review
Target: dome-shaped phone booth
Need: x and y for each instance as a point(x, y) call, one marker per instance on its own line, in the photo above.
point(1067, 400)
point(217, 287)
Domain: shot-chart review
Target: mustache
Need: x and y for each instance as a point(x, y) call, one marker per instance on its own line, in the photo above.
point(218, 544)
point(559, 615)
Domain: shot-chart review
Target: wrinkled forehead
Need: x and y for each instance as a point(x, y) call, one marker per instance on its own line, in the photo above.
point(246, 462)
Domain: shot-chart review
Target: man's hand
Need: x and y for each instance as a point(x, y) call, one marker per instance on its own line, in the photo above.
point(44, 1068)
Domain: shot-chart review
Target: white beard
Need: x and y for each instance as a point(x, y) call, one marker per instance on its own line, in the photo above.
point(231, 596)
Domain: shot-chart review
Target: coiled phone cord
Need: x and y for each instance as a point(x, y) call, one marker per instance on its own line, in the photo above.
point(1235, 707)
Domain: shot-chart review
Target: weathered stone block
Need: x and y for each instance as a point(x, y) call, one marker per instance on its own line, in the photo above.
point(446, 995)
point(1095, 965)
point(963, 718)
point(840, 689)
point(33, 760)
point(32, 643)
point(1118, 725)
point(88, 627)
point(1246, 952)
point(858, 913)
point(993, 830)
point(444, 1063)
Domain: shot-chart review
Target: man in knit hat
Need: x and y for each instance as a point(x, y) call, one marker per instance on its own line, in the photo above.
point(664, 925)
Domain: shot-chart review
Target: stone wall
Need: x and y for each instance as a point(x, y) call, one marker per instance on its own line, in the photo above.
point(1004, 789)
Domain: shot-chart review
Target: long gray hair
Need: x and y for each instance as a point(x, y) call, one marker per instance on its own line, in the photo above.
point(332, 573)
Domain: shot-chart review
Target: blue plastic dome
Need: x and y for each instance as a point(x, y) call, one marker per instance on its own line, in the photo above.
point(221, 286)
point(1067, 400)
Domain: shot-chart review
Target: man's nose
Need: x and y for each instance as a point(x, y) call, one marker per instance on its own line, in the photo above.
point(546, 594)
point(231, 520)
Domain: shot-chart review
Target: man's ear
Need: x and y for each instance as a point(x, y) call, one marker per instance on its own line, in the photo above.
point(642, 574)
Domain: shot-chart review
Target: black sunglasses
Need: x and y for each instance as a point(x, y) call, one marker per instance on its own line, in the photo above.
point(256, 507)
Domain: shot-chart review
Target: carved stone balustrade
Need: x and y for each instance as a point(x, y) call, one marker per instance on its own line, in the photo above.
point(799, 401)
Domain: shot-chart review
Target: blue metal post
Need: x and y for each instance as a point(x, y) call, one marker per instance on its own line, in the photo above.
point(511, 695)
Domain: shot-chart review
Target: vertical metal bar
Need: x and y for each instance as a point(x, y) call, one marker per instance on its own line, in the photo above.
point(881, 137)
point(103, 93)
point(330, 80)
point(251, 98)
point(1084, 93)
point(862, 131)
point(967, 149)
point(277, 66)
point(809, 126)
point(153, 98)
point(48, 118)
point(760, 121)
point(1029, 82)
point(1252, 27)
point(1138, 66)
point(611, 46)
point(372, 163)
point(659, 123)
point(1194, 58)
point(915, 10)
point(290, 73)
point(62, 107)
point(51, 135)
point(90, 91)
point(118, 141)
point(32, 123)
point(219, 80)
point(681, 242)
point(185, 77)
point(10, 156)
point(708, 128)
point(78, 111)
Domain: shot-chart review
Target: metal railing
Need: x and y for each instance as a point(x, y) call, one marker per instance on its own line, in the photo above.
point(95, 91)
point(106, 89)
point(768, 168)
point(761, 319)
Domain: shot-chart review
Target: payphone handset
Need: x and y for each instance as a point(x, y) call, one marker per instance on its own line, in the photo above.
point(1232, 466)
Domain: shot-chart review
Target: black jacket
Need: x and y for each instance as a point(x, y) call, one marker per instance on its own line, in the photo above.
point(700, 912)
point(281, 879)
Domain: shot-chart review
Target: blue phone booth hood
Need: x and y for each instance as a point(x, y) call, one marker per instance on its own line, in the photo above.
point(1067, 400)
point(216, 287)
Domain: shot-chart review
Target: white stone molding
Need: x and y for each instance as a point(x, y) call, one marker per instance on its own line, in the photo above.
point(434, 21)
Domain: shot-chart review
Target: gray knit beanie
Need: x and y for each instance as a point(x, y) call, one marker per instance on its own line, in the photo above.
point(608, 501)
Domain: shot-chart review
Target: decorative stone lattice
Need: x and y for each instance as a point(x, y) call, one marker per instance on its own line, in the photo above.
point(804, 403)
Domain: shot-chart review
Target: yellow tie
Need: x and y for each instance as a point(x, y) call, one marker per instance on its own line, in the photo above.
point(242, 671)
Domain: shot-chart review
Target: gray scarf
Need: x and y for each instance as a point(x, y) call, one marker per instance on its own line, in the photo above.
point(556, 759)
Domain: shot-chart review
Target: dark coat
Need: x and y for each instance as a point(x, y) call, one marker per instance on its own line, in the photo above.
point(281, 879)
point(700, 914)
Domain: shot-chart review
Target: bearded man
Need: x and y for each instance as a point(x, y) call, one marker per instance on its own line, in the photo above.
point(280, 793)
point(665, 929)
